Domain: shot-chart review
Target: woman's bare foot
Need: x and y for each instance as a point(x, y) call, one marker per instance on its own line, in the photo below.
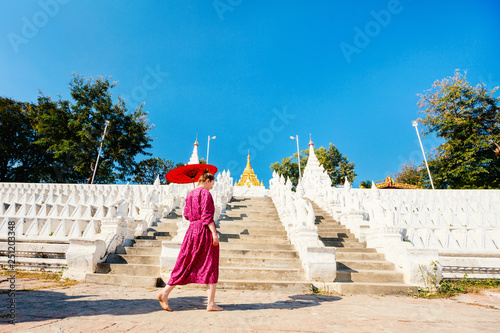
point(214, 308)
point(163, 302)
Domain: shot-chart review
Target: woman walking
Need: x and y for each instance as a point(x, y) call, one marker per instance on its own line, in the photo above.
point(198, 260)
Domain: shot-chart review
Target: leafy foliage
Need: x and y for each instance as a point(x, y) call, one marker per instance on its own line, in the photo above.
point(147, 170)
point(468, 119)
point(333, 161)
point(365, 184)
point(58, 141)
point(288, 169)
point(412, 175)
point(20, 159)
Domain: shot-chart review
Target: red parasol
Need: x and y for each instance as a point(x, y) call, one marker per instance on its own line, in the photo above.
point(189, 173)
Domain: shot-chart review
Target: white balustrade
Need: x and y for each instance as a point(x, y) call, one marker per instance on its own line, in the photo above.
point(297, 216)
point(455, 223)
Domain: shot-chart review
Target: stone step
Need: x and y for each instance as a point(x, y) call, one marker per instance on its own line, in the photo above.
point(346, 244)
point(165, 226)
point(128, 269)
point(256, 239)
point(164, 238)
point(364, 288)
point(349, 256)
point(155, 236)
point(255, 201)
point(147, 243)
point(260, 262)
point(326, 229)
point(246, 253)
point(144, 251)
point(171, 218)
point(132, 259)
point(251, 210)
point(256, 246)
point(253, 220)
point(253, 235)
point(149, 236)
point(161, 229)
point(261, 273)
point(124, 280)
point(337, 235)
point(251, 227)
point(338, 239)
point(355, 249)
point(348, 275)
point(365, 265)
point(290, 287)
point(251, 231)
point(257, 213)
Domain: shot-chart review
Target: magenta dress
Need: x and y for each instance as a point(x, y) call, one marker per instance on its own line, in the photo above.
point(198, 260)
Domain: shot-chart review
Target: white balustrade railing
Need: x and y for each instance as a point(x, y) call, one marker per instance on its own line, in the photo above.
point(297, 216)
point(96, 217)
point(397, 222)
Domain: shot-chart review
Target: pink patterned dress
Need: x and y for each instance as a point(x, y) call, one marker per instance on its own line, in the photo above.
point(198, 260)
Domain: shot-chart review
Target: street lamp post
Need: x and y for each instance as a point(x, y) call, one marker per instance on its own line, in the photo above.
point(100, 149)
point(415, 124)
point(208, 145)
point(298, 152)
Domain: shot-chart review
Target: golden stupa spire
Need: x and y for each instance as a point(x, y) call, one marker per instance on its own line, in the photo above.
point(310, 140)
point(248, 178)
point(196, 141)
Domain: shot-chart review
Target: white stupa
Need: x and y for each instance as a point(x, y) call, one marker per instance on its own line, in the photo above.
point(194, 157)
point(314, 173)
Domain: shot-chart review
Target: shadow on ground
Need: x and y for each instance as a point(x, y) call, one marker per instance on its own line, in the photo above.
point(41, 305)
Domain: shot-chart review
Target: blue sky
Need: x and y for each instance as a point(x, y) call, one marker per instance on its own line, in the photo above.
point(253, 73)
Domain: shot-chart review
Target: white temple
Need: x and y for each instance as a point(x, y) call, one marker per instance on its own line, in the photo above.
point(249, 185)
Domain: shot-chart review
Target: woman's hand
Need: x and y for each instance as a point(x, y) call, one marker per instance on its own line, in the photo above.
point(215, 238)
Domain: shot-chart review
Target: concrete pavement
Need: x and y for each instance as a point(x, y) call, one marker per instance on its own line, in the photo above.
point(98, 308)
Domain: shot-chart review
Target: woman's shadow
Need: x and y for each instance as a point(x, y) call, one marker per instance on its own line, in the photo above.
point(293, 302)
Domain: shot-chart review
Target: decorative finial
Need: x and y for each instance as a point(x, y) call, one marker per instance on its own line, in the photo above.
point(310, 140)
point(196, 141)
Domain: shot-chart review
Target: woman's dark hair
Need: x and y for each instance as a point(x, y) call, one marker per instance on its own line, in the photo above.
point(206, 175)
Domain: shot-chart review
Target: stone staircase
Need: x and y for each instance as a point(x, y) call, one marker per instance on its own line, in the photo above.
point(138, 265)
point(255, 253)
point(360, 270)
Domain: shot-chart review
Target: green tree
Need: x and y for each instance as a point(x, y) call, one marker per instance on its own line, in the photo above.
point(20, 159)
point(412, 175)
point(288, 169)
point(468, 119)
point(147, 170)
point(72, 132)
point(333, 161)
point(365, 184)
